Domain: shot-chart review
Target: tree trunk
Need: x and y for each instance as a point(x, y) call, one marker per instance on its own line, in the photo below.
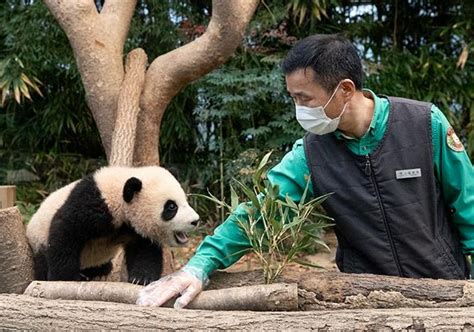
point(26, 313)
point(97, 40)
point(16, 259)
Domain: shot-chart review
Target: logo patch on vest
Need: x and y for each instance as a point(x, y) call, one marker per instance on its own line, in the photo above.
point(453, 141)
point(408, 173)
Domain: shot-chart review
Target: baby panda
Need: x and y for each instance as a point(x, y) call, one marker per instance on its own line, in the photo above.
point(79, 228)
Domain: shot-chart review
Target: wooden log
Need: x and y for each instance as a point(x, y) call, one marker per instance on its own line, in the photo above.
point(336, 290)
point(16, 258)
point(21, 312)
point(343, 290)
point(274, 297)
point(7, 196)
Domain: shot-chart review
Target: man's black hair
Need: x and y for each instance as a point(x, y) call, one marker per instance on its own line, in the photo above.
point(332, 57)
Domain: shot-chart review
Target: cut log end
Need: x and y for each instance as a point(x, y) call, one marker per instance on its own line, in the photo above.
point(16, 258)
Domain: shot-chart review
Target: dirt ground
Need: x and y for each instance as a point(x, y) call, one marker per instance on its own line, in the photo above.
point(250, 262)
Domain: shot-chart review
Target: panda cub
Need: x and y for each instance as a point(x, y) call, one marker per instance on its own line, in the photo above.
point(79, 228)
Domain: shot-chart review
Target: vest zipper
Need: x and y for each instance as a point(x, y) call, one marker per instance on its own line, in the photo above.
point(368, 171)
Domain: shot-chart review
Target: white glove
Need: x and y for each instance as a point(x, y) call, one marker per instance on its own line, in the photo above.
point(188, 282)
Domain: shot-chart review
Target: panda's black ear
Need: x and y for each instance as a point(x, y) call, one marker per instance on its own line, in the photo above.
point(132, 186)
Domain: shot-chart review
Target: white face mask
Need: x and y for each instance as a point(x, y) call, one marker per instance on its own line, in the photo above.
point(315, 120)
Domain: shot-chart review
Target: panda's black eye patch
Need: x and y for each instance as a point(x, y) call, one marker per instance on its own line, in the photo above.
point(169, 211)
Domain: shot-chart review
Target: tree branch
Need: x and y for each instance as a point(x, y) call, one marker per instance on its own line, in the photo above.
point(97, 42)
point(170, 72)
point(114, 14)
point(123, 140)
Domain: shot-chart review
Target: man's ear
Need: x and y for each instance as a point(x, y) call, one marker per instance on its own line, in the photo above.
point(132, 186)
point(348, 88)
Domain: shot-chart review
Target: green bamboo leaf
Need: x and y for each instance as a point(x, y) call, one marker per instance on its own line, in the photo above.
point(24, 89)
point(3, 83)
point(16, 90)
point(318, 200)
point(4, 96)
point(234, 198)
point(290, 203)
point(249, 194)
point(264, 160)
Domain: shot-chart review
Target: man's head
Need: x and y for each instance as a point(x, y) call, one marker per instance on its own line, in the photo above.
point(331, 57)
point(323, 74)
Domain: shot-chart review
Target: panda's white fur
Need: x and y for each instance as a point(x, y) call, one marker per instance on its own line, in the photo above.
point(37, 230)
point(142, 215)
point(159, 185)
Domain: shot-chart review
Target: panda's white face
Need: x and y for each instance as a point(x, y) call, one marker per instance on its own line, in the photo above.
point(157, 207)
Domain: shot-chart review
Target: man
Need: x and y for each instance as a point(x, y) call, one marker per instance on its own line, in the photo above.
point(403, 186)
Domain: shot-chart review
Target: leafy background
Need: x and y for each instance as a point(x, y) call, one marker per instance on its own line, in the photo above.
point(218, 127)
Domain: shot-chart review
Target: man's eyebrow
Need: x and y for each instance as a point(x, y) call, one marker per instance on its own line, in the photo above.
point(298, 94)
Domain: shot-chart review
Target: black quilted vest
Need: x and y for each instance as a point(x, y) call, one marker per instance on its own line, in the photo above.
point(386, 225)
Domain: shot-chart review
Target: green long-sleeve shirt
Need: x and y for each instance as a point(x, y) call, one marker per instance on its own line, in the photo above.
point(453, 170)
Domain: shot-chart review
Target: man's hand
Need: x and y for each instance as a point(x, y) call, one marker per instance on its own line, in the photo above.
point(188, 282)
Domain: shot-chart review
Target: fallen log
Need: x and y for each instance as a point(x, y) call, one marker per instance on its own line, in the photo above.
point(16, 259)
point(274, 297)
point(27, 313)
point(316, 291)
point(336, 290)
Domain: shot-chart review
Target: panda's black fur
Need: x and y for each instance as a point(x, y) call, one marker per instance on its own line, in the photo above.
point(88, 217)
point(85, 216)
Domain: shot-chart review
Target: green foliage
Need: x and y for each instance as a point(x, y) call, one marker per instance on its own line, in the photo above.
point(218, 127)
point(57, 118)
point(278, 230)
point(52, 170)
point(15, 83)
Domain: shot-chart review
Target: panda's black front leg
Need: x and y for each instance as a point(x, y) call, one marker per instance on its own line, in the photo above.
point(63, 252)
point(144, 261)
point(63, 262)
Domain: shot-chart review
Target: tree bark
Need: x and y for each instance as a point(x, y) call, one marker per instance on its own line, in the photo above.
point(274, 297)
point(26, 313)
point(123, 140)
point(170, 72)
point(16, 259)
point(335, 290)
point(97, 40)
